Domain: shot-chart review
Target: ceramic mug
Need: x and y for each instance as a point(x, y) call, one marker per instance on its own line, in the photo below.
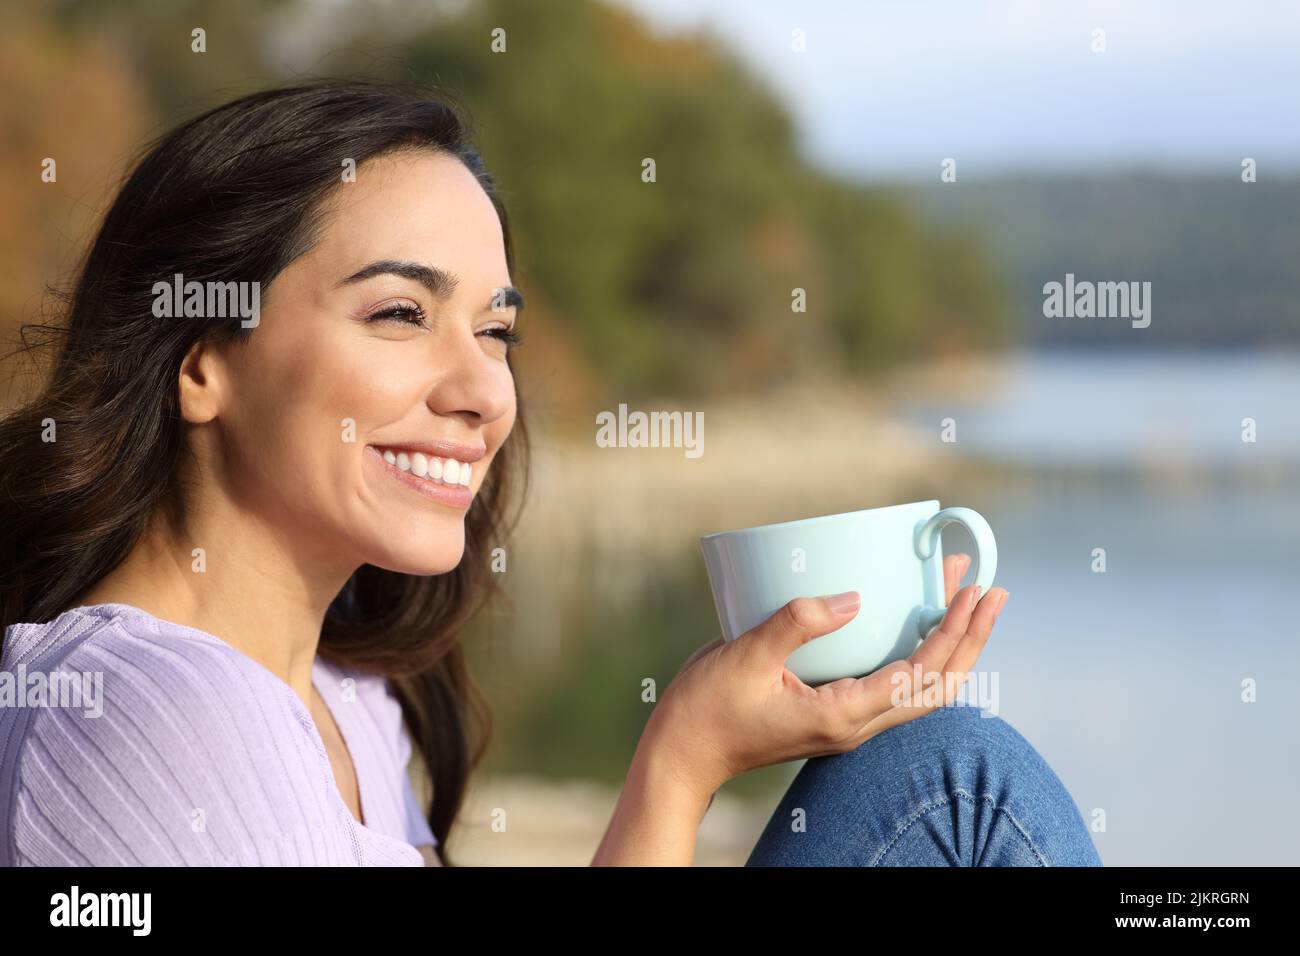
point(892, 556)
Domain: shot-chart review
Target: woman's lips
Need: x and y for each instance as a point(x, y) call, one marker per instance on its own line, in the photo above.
point(455, 496)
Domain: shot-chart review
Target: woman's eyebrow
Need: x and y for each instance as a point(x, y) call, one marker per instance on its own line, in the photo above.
point(441, 283)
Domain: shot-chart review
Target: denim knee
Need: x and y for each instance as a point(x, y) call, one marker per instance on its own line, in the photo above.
point(955, 787)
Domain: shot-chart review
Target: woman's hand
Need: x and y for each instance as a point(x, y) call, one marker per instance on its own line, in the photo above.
point(734, 706)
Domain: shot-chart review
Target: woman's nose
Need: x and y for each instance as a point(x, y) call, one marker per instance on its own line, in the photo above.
point(471, 382)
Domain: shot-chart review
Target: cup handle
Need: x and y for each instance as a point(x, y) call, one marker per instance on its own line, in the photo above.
point(926, 539)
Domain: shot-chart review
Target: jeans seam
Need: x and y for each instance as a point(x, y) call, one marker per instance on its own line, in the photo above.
point(944, 801)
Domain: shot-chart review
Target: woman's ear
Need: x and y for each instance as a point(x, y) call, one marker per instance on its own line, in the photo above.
point(202, 380)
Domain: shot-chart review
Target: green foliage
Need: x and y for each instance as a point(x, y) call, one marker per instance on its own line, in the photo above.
point(679, 286)
point(684, 284)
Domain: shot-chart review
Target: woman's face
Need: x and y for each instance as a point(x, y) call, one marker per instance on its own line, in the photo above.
point(382, 339)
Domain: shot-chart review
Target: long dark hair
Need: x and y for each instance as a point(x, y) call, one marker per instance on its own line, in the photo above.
point(238, 192)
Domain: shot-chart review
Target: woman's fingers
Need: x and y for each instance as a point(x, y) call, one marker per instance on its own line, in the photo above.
point(876, 690)
point(935, 650)
point(890, 695)
point(954, 646)
point(972, 644)
point(954, 566)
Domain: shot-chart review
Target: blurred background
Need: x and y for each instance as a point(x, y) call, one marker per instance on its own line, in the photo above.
point(920, 169)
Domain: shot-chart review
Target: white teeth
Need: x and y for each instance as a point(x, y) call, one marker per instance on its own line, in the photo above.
point(448, 471)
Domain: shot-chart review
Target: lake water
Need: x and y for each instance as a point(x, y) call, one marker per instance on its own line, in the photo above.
point(1103, 408)
point(1130, 682)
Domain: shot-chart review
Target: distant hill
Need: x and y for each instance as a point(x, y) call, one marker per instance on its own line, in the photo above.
point(1223, 256)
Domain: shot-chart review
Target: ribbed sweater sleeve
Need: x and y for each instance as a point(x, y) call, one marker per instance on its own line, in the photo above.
point(194, 760)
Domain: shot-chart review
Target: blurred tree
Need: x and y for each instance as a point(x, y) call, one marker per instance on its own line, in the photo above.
point(679, 286)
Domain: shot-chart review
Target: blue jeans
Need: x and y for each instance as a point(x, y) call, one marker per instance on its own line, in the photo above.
point(950, 788)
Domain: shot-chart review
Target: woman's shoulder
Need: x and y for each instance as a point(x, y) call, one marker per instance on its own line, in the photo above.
point(134, 741)
point(132, 667)
point(101, 633)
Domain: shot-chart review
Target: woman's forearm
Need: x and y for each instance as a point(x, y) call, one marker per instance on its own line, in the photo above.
point(658, 814)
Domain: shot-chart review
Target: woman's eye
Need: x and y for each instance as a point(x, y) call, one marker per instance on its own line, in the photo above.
point(508, 336)
point(403, 314)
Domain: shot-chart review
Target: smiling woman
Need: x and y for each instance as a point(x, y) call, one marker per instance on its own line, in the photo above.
point(271, 532)
point(269, 537)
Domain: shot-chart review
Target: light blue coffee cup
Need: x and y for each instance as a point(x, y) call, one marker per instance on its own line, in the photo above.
point(892, 556)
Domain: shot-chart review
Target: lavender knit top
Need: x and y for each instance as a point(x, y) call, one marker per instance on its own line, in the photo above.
point(190, 753)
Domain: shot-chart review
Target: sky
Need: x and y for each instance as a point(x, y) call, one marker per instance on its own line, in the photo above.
point(888, 89)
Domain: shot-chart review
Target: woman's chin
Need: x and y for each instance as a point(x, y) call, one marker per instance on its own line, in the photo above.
point(440, 561)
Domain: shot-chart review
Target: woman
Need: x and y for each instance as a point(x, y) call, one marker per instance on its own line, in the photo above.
point(258, 499)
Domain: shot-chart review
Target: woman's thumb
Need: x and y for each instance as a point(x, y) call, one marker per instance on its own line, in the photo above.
point(797, 623)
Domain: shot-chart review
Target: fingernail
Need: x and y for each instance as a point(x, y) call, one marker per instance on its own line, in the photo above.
point(975, 597)
point(1003, 601)
point(843, 602)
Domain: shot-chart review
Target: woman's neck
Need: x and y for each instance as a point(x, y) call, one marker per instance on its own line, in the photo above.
point(235, 580)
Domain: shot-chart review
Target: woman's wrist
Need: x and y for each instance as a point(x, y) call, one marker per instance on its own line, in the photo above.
point(659, 810)
point(674, 751)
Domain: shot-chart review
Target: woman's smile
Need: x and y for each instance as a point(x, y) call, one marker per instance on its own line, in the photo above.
point(444, 480)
